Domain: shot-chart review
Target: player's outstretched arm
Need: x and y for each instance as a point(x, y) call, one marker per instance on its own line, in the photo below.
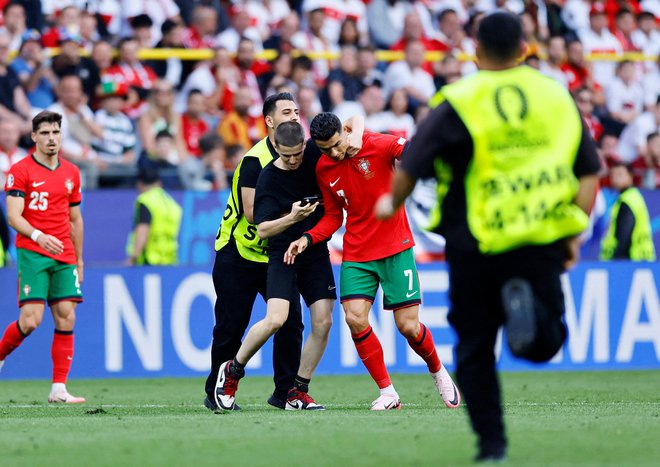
point(296, 248)
point(15, 206)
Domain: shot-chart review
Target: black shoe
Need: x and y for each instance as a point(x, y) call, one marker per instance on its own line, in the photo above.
point(491, 457)
point(210, 404)
point(277, 402)
point(520, 326)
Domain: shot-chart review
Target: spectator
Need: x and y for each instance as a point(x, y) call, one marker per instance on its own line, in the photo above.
point(575, 15)
point(89, 30)
point(373, 104)
point(410, 75)
point(164, 158)
point(156, 224)
point(651, 179)
point(309, 106)
point(386, 19)
point(343, 84)
point(311, 39)
point(555, 58)
point(575, 68)
point(625, 25)
point(646, 37)
point(584, 100)
point(250, 69)
point(348, 34)
point(413, 30)
point(301, 72)
point(141, 27)
point(193, 125)
point(102, 55)
point(282, 38)
point(157, 10)
point(15, 25)
point(172, 69)
point(130, 72)
point(632, 142)
point(202, 30)
point(32, 66)
point(395, 120)
point(159, 115)
point(240, 28)
point(116, 148)
point(266, 15)
point(10, 153)
point(598, 39)
point(446, 71)
point(279, 75)
point(367, 70)
point(78, 129)
point(651, 85)
point(216, 79)
point(336, 12)
point(208, 171)
point(71, 62)
point(235, 153)
point(14, 104)
point(624, 95)
point(65, 23)
point(239, 126)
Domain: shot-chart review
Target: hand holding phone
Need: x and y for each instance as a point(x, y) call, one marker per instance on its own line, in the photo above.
point(307, 200)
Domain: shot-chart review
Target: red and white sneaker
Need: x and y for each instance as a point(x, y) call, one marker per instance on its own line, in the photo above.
point(387, 402)
point(63, 397)
point(225, 387)
point(447, 389)
point(298, 400)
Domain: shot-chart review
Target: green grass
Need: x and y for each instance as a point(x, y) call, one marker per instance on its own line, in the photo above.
point(596, 419)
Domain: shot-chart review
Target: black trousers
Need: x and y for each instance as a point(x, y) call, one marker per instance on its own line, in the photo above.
point(237, 282)
point(477, 313)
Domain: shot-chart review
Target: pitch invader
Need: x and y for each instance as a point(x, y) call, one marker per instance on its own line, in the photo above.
point(43, 206)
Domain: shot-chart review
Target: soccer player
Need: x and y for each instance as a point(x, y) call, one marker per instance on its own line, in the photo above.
point(287, 186)
point(375, 252)
point(516, 170)
point(43, 206)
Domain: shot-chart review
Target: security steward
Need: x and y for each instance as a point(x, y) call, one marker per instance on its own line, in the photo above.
point(629, 235)
point(516, 171)
point(154, 239)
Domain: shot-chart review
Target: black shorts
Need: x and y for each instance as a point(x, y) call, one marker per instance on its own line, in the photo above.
point(311, 275)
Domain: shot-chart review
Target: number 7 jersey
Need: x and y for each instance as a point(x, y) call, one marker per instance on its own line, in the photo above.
point(48, 196)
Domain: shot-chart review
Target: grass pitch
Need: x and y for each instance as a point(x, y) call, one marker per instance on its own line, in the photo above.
point(553, 419)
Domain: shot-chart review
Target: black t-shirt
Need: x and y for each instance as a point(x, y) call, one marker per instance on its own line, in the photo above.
point(278, 189)
point(443, 134)
point(9, 82)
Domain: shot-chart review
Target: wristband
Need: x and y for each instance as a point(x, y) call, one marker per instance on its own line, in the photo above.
point(309, 239)
point(35, 235)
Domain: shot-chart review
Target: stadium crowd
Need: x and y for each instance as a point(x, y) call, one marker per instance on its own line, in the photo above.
point(194, 119)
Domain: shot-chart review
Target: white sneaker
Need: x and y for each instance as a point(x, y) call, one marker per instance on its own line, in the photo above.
point(387, 402)
point(63, 397)
point(447, 388)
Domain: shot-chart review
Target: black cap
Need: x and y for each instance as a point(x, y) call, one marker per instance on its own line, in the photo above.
point(148, 175)
point(141, 21)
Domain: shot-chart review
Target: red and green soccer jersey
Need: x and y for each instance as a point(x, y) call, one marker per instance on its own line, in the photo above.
point(355, 184)
point(48, 196)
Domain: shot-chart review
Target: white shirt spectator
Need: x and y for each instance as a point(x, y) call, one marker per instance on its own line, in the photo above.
point(554, 73)
point(305, 40)
point(71, 143)
point(266, 18)
point(158, 11)
point(348, 109)
point(335, 14)
point(399, 75)
point(201, 78)
point(651, 86)
point(575, 14)
point(652, 6)
point(620, 96)
point(388, 122)
point(605, 42)
point(633, 137)
point(644, 42)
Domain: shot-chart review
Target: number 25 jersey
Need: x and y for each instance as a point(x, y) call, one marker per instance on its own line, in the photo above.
point(48, 196)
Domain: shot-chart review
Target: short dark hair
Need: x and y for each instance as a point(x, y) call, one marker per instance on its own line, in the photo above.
point(655, 134)
point(148, 175)
point(302, 61)
point(46, 116)
point(625, 165)
point(270, 104)
point(210, 141)
point(164, 134)
point(194, 91)
point(289, 134)
point(324, 126)
point(499, 35)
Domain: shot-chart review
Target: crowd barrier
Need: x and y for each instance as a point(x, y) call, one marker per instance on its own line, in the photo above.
point(155, 322)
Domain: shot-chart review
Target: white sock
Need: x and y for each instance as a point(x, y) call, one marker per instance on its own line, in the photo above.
point(389, 390)
point(58, 387)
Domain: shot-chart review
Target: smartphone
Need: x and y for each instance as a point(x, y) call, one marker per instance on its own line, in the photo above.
point(310, 200)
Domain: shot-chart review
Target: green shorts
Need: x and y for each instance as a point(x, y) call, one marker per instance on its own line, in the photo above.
point(396, 274)
point(41, 279)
